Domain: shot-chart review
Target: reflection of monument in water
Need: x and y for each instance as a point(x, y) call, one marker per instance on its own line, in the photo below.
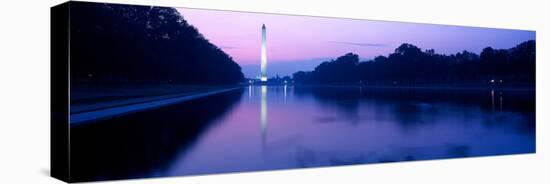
point(261, 92)
point(263, 114)
point(263, 67)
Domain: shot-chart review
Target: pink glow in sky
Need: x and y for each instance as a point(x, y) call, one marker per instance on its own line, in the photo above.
point(299, 38)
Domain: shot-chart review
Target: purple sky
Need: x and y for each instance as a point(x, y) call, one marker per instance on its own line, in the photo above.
point(301, 42)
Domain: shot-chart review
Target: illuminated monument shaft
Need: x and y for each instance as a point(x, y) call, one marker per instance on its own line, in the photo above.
point(263, 76)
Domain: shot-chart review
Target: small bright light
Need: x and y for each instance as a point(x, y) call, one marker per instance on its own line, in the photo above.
point(285, 81)
point(492, 80)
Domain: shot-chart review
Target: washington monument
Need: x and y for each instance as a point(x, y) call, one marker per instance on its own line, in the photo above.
point(263, 76)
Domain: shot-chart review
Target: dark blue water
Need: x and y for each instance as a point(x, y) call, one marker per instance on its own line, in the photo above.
point(278, 127)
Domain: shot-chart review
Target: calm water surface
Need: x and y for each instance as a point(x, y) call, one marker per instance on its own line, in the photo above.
point(278, 127)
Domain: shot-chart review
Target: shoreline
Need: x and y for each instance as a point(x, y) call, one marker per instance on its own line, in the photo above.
point(427, 87)
point(124, 109)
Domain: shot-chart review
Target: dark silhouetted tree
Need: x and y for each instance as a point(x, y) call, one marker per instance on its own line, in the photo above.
point(126, 43)
point(409, 65)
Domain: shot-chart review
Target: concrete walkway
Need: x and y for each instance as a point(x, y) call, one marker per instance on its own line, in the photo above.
point(89, 116)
